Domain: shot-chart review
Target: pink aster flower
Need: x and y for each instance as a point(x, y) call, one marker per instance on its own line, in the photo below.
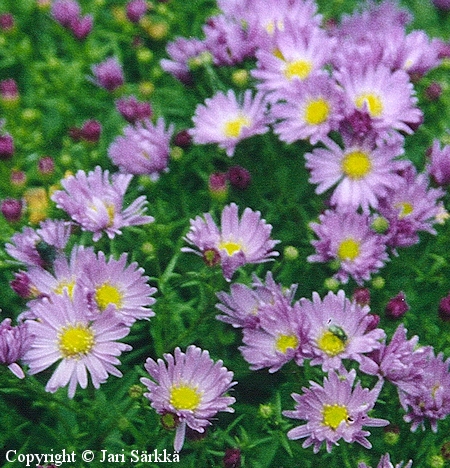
point(308, 110)
point(144, 148)
point(14, 343)
point(65, 334)
point(191, 387)
point(385, 462)
point(108, 74)
point(338, 410)
point(111, 284)
point(238, 241)
point(296, 55)
point(227, 41)
point(181, 52)
point(95, 201)
point(339, 329)
point(242, 307)
point(387, 97)
point(360, 172)
point(41, 246)
point(439, 167)
point(401, 361)
point(265, 18)
point(347, 237)
point(429, 399)
point(279, 338)
point(226, 120)
point(410, 206)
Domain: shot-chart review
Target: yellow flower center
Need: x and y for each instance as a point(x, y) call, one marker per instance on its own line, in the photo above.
point(317, 111)
point(298, 69)
point(184, 397)
point(108, 294)
point(75, 340)
point(333, 415)
point(374, 104)
point(348, 249)
point(67, 285)
point(233, 128)
point(285, 342)
point(230, 247)
point(356, 165)
point(331, 344)
point(406, 209)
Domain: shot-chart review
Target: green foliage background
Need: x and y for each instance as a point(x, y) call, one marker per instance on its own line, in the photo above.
point(51, 69)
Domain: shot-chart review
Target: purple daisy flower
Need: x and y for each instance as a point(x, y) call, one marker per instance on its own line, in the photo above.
point(308, 110)
point(29, 246)
point(113, 285)
point(429, 398)
point(361, 173)
point(63, 278)
point(191, 387)
point(410, 206)
point(297, 54)
point(385, 462)
point(338, 410)
point(401, 361)
point(243, 305)
point(227, 41)
point(386, 97)
point(226, 120)
point(279, 338)
point(14, 343)
point(339, 329)
point(108, 74)
point(238, 241)
point(264, 19)
point(347, 237)
point(95, 201)
point(144, 148)
point(181, 52)
point(439, 167)
point(64, 333)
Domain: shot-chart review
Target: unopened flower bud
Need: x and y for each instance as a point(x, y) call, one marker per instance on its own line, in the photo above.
point(211, 257)
point(9, 91)
point(91, 130)
point(445, 450)
point(6, 147)
point(397, 306)
point(332, 284)
point(378, 282)
point(436, 461)
point(290, 253)
point(135, 10)
point(22, 285)
point(240, 78)
point(11, 209)
point(82, 27)
point(7, 22)
point(46, 165)
point(232, 458)
point(391, 434)
point(361, 296)
point(239, 177)
point(380, 225)
point(135, 392)
point(444, 308)
point(183, 139)
point(433, 91)
point(169, 421)
point(218, 185)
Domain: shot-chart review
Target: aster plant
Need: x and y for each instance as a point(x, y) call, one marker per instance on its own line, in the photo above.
point(300, 153)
